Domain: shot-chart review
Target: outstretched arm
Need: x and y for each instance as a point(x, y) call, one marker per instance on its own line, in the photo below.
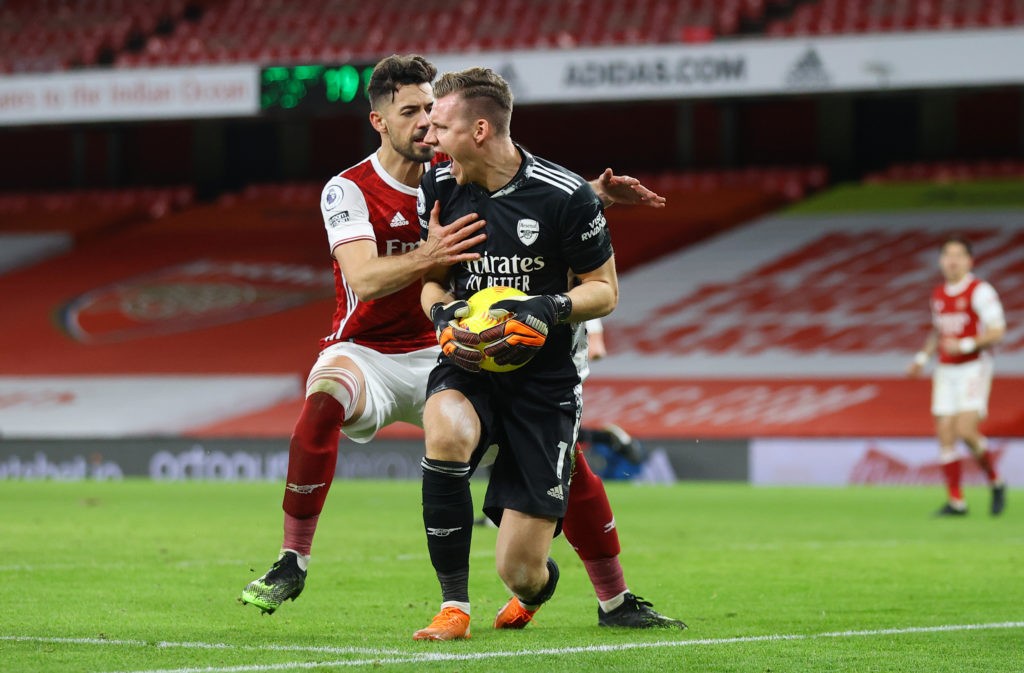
point(612, 189)
point(371, 276)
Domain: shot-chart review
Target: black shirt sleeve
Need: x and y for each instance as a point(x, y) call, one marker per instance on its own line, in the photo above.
point(585, 238)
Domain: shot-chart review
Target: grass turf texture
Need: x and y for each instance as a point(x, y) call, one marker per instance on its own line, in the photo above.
point(914, 196)
point(147, 576)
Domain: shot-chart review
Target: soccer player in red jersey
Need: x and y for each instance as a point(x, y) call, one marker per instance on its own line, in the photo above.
point(968, 322)
point(372, 367)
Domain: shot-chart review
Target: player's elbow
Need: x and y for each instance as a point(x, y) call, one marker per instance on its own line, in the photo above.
point(609, 299)
point(366, 289)
point(995, 334)
point(364, 297)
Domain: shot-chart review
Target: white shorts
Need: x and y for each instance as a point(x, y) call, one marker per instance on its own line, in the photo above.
point(960, 388)
point(396, 386)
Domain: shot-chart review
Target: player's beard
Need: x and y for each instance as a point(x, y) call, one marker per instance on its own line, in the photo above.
point(413, 152)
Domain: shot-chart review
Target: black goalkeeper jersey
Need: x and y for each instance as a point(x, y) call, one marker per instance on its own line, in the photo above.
point(544, 224)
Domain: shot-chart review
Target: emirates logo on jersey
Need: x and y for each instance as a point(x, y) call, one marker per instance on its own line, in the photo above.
point(961, 303)
point(191, 296)
point(952, 324)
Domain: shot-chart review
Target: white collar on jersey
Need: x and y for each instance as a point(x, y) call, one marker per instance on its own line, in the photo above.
point(959, 286)
point(388, 179)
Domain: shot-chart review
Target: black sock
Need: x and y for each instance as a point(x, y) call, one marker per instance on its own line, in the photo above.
point(547, 591)
point(455, 585)
point(448, 520)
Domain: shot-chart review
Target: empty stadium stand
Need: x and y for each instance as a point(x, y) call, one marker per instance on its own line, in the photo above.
point(178, 284)
point(331, 30)
point(37, 226)
point(802, 324)
point(701, 203)
point(828, 17)
point(60, 34)
point(87, 213)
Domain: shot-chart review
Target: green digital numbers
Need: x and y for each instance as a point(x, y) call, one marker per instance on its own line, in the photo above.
point(313, 87)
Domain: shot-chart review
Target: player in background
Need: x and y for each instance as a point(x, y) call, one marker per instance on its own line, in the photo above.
point(596, 348)
point(968, 322)
point(545, 225)
point(372, 368)
point(610, 434)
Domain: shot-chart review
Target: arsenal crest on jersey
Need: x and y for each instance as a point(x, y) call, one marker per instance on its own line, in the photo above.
point(528, 231)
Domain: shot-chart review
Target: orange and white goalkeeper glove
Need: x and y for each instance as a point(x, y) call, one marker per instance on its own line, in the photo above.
point(516, 340)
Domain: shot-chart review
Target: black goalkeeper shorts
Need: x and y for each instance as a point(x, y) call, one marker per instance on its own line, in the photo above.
point(533, 420)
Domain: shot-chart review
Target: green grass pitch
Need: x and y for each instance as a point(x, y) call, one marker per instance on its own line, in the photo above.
point(141, 576)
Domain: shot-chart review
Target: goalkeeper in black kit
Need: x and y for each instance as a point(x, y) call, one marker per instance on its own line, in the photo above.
point(543, 224)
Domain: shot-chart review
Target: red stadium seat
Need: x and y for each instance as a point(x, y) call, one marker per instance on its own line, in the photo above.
point(845, 16)
point(58, 34)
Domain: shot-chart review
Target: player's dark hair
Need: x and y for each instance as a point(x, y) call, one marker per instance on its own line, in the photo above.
point(396, 71)
point(958, 239)
point(487, 93)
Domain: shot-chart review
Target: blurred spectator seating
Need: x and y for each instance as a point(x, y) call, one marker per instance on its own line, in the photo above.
point(826, 17)
point(88, 213)
point(281, 31)
point(46, 35)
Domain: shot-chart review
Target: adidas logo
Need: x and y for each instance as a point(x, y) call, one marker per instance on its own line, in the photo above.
point(808, 72)
point(398, 220)
point(556, 492)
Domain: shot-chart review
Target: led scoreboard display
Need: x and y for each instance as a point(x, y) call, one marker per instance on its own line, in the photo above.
point(313, 87)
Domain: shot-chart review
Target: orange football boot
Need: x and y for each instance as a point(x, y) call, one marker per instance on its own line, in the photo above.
point(513, 615)
point(450, 623)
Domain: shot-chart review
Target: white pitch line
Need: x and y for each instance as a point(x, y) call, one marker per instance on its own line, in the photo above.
point(405, 657)
point(316, 649)
point(839, 544)
point(38, 567)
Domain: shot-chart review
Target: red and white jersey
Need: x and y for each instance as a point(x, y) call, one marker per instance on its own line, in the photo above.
point(965, 309)
point(365, 203)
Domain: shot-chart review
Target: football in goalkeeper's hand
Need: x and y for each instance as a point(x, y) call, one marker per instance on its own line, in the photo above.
point(479, 320)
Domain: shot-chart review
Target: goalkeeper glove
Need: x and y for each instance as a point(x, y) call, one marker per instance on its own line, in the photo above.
point(456, 343)
point(516, 340)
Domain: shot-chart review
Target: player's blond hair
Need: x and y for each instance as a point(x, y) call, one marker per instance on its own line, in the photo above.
point(485, 91)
